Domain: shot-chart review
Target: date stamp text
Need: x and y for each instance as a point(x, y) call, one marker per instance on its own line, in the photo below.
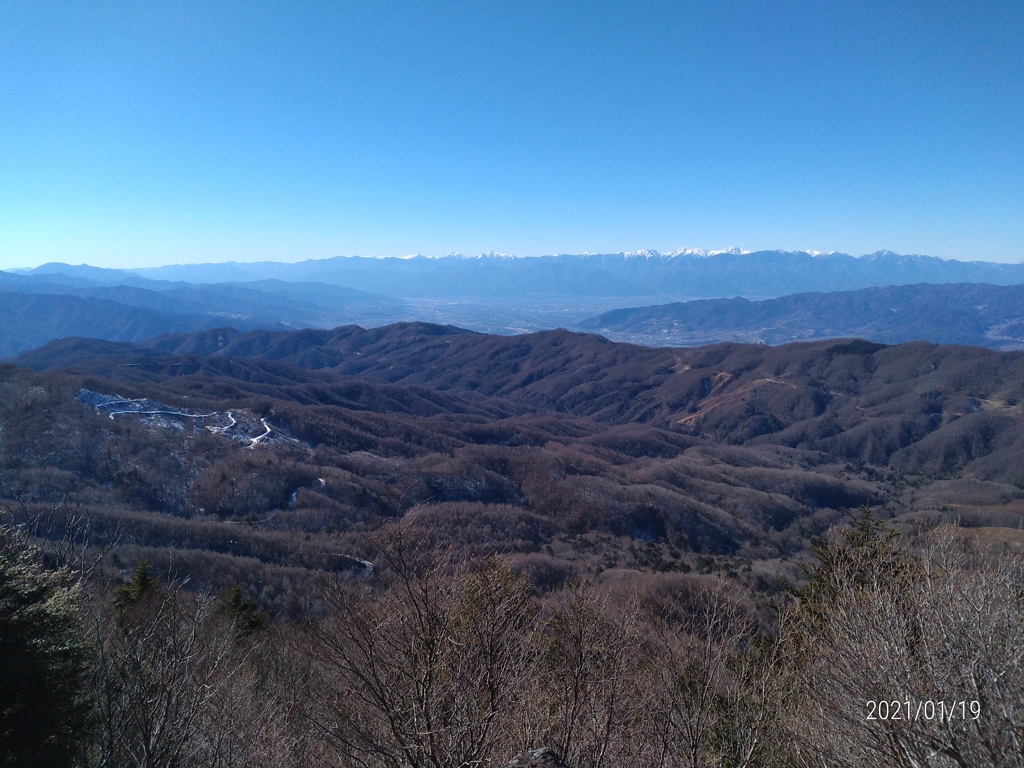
point(925, 709)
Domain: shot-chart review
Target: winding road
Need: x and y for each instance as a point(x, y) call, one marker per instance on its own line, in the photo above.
point(146, 407)
point(255, 440)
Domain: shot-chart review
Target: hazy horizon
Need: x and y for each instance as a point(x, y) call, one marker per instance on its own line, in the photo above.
point(666, 252)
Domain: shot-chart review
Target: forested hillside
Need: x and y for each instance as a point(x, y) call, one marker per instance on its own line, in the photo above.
point(982, 315)
point(286, 508)
point(883, 297)
point(523, 444)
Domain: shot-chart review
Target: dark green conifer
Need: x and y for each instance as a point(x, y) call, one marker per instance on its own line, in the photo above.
point(42, 660)
point(243, 612)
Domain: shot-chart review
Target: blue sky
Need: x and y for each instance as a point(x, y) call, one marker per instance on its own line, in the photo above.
point(141, 133)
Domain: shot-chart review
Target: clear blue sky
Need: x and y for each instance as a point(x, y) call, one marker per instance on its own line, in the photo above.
point(144, 133)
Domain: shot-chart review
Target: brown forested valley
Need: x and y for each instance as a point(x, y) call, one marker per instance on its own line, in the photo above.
point(421, 546)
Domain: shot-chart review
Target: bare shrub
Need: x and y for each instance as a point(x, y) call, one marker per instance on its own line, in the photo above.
point(424, 673)
point(938, 637)
point(174, 685)
point(717, 683)
point(587, 702)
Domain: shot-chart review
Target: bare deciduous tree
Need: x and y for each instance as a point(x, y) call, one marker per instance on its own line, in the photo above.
point(176, 687)
point(423, 673)
point(65, 533)
point(587, 702)
point(911, 660)
point(718, 684)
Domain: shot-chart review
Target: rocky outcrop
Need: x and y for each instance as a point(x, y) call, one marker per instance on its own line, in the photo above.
point(537, 758)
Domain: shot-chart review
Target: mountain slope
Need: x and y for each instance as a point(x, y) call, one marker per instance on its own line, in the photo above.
point(501, 294)
point(37, 310)
point(681, 274)
point(980, 314)
point(28, 320)
point(578, 454)
point(757, 274)
point(855, 400)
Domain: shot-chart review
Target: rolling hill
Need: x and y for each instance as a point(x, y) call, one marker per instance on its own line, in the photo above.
point(31, 319)
point(573, 453)
point(979, 314)
point(926, 298)
point(855, 399)
point(37, 310)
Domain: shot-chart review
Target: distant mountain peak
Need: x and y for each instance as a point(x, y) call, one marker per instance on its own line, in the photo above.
point(732, 250)
point(885, 253)
point(650, 253)
point(488, 255)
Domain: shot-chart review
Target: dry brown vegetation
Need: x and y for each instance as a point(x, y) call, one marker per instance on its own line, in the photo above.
point(576, 455)
point(445, 661)
point(598, 548)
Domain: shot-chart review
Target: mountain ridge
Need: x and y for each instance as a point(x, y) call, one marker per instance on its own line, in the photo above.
point(967, 313)
point(496, 293)
point(550, 445)
point(734, 392)
point(687, 272)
